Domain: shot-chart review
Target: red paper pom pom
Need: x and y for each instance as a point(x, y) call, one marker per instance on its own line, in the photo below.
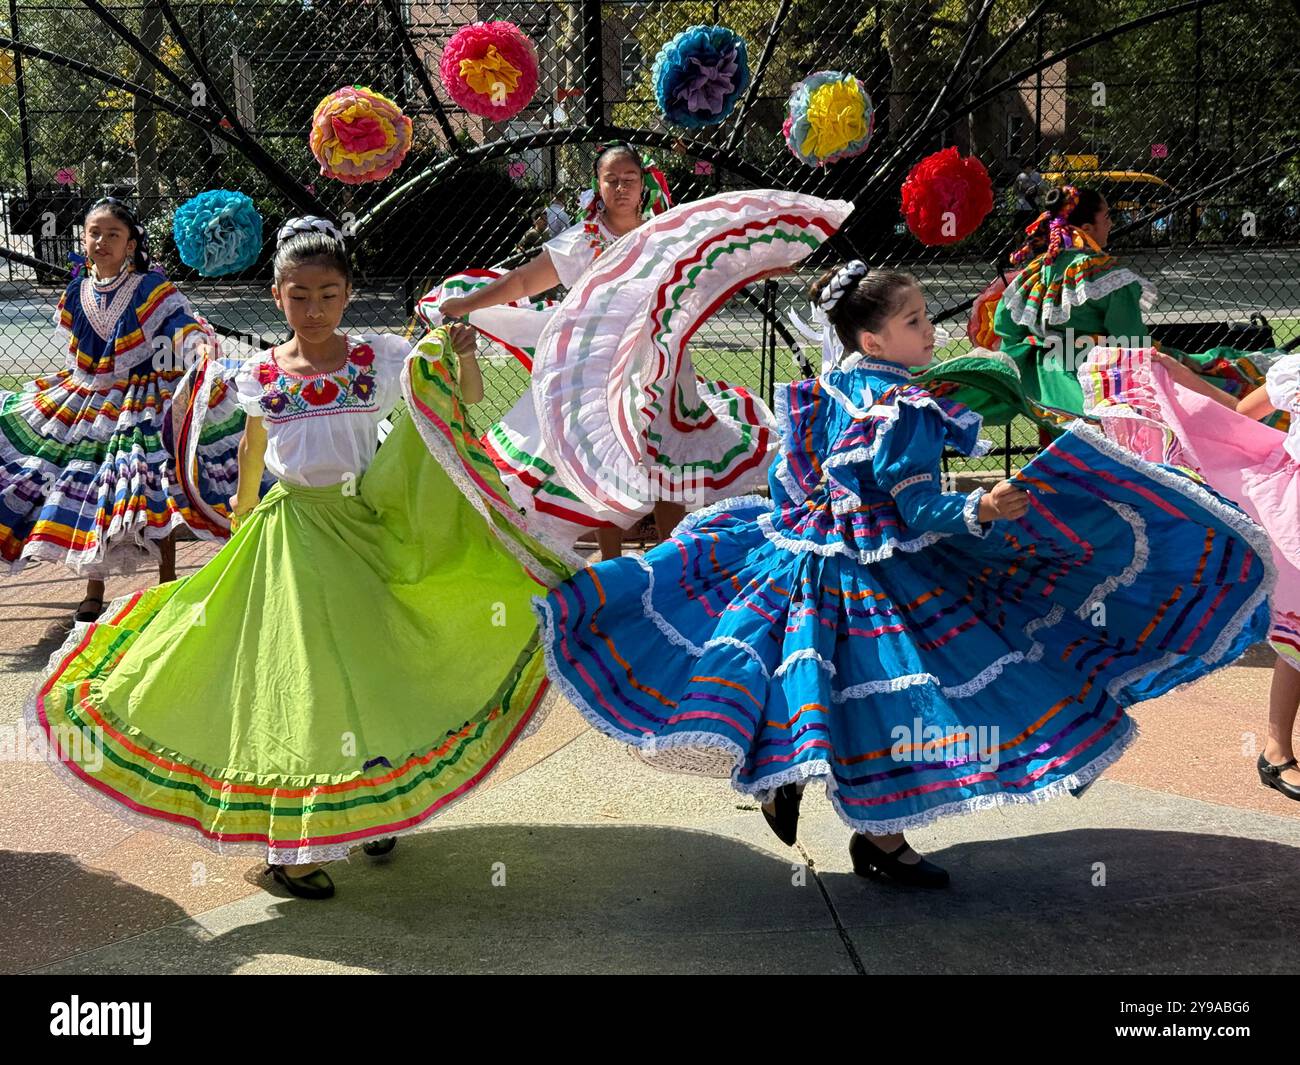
point(946, 197)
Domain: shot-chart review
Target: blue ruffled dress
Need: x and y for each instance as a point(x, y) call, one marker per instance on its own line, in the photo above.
point(864, 628)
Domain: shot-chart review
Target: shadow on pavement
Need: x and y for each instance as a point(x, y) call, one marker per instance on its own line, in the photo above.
point(595, 899)
point(52, 906)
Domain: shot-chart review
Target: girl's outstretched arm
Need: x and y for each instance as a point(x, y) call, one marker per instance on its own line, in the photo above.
point(252, 464)
point(1184, 375)
point(534, 277)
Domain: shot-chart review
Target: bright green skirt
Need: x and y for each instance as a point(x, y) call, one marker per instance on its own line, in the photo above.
point(345, 668)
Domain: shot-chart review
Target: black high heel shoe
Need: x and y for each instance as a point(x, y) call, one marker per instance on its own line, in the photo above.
point(1271, 776)
point(315, 885)
point(870, 861)
point(377, 848)
point(784, 821)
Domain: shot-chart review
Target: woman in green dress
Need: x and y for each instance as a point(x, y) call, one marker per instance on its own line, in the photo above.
point(1069, 297)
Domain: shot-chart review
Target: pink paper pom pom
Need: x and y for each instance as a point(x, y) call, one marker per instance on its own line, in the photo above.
point(490, 69)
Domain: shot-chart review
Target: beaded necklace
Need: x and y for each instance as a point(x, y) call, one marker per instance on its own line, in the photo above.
point(103, 316)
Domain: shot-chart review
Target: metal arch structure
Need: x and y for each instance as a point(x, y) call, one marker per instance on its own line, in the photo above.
point(956, 98)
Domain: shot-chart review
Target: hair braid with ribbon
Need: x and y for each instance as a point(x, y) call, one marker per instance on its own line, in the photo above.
point(309, 224)
point(1061, 233)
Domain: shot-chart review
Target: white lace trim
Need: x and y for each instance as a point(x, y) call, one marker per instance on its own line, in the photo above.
point(857, 412)
point(886, 550)
point(859, 361)
point(907, 482)
point(662, 623)
point(698, 517)
point(792, 487)
point(814, 769)
point(136, 548)
point(970, 514)
point(740, 645)
point(303, 856)
point(804, 655)
point(1229, 515)
point(1141, 555)
point(103, 318)
point(1073, 297)
point(782, 411)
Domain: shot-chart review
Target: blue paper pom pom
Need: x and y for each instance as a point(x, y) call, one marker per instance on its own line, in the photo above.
point(218, 232)
point(699, 75)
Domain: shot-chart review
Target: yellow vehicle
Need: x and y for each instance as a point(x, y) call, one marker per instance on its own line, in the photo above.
point(1130, 193)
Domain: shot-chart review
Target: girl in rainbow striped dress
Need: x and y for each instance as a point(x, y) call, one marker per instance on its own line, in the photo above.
point(87, 474)
point(920, 652)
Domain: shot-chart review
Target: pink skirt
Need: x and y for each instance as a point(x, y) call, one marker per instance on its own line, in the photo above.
point(1143, 409)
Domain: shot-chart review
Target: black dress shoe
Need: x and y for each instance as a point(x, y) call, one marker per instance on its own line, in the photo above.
point(90, 608)
point(870, 861)
point(1078, 792)
point(315, 885)
point(1271, 776)
point(377, 848)
point(785, 820)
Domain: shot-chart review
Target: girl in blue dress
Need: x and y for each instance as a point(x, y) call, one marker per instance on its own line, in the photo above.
point(920, 652)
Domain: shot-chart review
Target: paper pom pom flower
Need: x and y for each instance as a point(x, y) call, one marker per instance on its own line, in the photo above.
point(946, 197)
point(218, 232)
point(699, 75)
point(490, 69)
point(829, 118)
point(359, 135)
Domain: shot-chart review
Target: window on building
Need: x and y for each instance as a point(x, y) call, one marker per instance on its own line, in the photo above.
point(631, 58)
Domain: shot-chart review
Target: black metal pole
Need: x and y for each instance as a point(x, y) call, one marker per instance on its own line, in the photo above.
point(1196, 119)
point(886, 170)
point(593, 66)
point(770, 315)
point(293, 191)
point(1038, 100)
point(412, 54)
point(20, 84)
point(751, 93)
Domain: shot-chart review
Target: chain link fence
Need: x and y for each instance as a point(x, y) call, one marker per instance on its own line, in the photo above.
point(1183, 115)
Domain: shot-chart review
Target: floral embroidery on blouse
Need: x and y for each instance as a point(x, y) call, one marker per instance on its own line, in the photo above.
point(350, 388)
point(597, 241)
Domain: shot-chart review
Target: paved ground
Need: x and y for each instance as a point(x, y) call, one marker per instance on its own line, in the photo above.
point(577, 858)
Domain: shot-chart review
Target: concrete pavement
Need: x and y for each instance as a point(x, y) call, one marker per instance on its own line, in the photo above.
point(576, 857)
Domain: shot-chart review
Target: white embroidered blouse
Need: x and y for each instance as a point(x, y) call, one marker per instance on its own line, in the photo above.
point(323, 428)
point(575, 249)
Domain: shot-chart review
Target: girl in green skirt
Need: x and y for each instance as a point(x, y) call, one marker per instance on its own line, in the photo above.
point(305, 692)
